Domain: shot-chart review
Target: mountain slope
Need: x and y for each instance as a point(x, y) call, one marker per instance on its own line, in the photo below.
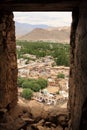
point(53, 34)
point(24, 28)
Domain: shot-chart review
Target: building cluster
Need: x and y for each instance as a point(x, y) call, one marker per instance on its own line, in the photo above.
point(45, 68)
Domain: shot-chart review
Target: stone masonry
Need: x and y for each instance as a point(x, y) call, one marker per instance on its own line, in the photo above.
point(78, 70)
point(8, 62)
point(78, 60)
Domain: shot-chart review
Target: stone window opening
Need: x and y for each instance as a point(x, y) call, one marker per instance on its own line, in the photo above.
point(25, 72)
point(25, 107)
point(8, 67)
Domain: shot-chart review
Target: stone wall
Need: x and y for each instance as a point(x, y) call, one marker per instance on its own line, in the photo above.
point(78, 70)
point(8, 62)
point(78, 60)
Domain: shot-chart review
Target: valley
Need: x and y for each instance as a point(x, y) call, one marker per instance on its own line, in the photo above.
point(34, 68)
point(43, 75)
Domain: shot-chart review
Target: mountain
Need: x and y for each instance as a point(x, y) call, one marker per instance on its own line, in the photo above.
point(24, 28)
point(53, 34)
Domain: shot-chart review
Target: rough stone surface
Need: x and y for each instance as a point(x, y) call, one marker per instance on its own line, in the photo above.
point(78, 67)
point(21, 119)
point(78, 64)
point(8, 64)
point(35, 5)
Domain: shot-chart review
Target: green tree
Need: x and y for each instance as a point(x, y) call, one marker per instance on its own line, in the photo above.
point(20, 81)
point(42, 82)
point(27, 93)
point(61, 75)
point(32, 84)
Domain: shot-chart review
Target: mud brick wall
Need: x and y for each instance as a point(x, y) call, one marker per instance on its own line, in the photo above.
point(78, 70)
point(8, 61)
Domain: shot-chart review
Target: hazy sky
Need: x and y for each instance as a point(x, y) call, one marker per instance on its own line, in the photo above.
point(49, 18)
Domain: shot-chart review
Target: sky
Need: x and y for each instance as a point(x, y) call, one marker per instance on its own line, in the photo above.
point(49, 18)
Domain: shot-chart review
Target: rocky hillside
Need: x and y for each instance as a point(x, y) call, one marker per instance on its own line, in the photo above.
point(24, 28)
point(49, 34)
